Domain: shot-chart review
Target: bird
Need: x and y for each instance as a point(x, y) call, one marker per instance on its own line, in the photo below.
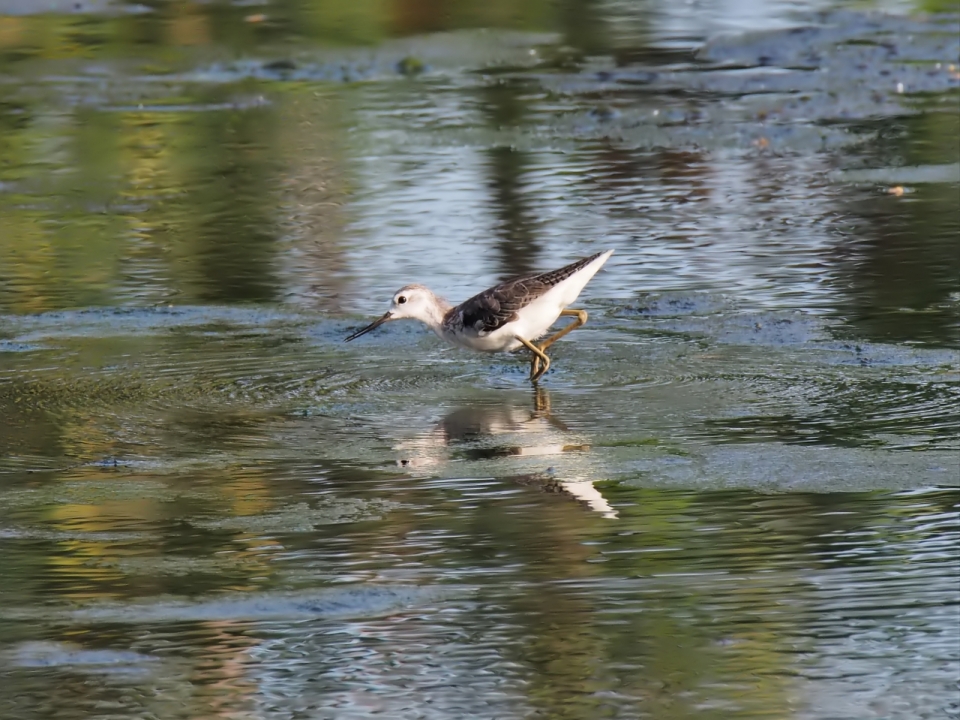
point(505, 317)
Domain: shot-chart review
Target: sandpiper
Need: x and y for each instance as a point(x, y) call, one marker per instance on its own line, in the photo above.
point(505, 317)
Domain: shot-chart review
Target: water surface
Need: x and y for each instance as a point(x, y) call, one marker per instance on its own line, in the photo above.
point(733, 496)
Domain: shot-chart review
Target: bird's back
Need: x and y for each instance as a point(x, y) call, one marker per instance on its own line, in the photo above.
point(489, 311)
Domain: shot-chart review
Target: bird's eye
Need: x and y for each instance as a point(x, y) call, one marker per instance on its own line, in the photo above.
point(401, 300)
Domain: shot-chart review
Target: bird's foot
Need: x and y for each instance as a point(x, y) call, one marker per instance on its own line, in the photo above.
point(538, 370)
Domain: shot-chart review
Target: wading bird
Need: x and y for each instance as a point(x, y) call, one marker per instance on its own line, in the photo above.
point(505, 317)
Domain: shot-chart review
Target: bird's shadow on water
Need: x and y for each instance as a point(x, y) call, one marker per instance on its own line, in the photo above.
point(488, 435)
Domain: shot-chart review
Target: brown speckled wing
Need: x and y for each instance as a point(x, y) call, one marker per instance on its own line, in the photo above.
point(492, 309)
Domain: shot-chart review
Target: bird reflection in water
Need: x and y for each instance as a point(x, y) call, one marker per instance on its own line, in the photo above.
point(490, 432)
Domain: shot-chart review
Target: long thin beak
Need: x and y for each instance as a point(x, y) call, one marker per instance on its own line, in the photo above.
point(372, 326)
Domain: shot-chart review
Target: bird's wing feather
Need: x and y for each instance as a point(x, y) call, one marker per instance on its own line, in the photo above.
point(492, 309)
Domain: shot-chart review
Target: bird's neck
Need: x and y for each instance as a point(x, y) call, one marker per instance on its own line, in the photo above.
point(435, 313)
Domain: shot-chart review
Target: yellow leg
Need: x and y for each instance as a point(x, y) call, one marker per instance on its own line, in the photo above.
point(581, 318)
point(536, 372)
point(541, 401)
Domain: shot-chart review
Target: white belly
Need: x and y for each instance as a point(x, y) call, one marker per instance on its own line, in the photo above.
point(502, 340)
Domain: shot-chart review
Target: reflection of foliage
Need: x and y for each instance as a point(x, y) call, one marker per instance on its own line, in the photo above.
point(181, 203)
point(517, 245)
point(938, 6)
point(189, 191)
point(228, 214)
point(905, 267)
point(237, 26)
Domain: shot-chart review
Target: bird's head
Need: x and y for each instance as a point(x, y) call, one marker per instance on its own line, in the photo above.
point(414, 302)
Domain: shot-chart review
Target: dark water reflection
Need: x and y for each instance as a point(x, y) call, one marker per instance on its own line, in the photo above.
point(489, 599)
point(517, 245)
point(736, 493)
point(237, 232)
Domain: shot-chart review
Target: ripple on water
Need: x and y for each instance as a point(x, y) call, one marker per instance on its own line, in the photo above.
point(354, 601)
point(238, 515)
point(38, 654)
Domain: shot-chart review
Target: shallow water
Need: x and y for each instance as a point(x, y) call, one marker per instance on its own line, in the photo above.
point(735, 495)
